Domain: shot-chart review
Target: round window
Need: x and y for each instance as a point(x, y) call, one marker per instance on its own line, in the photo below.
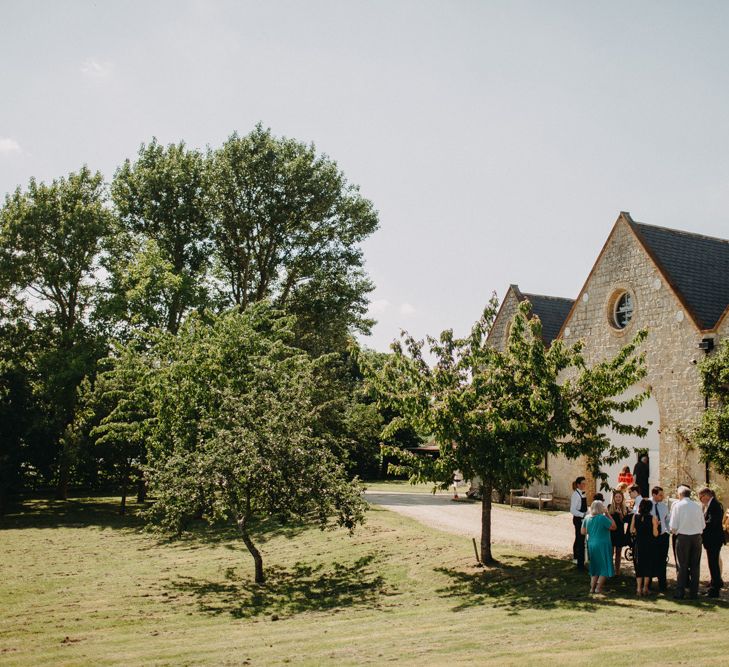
point(623, 310)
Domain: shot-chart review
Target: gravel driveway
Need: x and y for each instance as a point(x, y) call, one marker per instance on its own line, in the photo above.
point(545, 532)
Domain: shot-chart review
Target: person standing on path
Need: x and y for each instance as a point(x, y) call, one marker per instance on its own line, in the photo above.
point(687, 524)
point(659, 510)
point(597, 526)
point(712, 538)
point(578, 509)
point(619, 512)
point(641, 471)
point(635, 497)
point(626, 477)
point(644, 527)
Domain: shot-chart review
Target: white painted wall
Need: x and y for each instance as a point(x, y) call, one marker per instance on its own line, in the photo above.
point(647, 412)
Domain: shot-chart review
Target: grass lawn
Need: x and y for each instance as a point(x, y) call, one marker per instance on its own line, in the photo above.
point(80, 585)
point(404, 486)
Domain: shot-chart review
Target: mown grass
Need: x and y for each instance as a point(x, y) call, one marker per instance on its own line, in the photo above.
point(81, 585)
point(404, 486)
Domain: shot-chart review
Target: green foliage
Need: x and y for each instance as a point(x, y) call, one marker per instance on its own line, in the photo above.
point(185, 235)
point(496, 415)
point(287, 228)
point(163, 245)
point(712, 435)
point(17, 409)
point(51, 238)
point(143, 287)
point(226, 410)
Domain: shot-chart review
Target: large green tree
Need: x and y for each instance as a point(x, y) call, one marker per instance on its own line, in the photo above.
point(288, 226)
point(230, 430)
point(158, 270)
point(712, 434)
point(51, 239)
point(17, 408)
point(497, 414)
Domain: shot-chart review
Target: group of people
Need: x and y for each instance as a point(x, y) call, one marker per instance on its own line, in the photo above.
point(646, 524)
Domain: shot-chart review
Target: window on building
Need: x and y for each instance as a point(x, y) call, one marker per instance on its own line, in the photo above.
point(622, 310)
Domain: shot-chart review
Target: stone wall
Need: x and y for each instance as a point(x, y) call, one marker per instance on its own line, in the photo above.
point(500, 330)
point(672, 353)
point(671, 348)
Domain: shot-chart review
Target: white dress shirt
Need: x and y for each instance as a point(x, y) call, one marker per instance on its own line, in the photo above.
point(687, 518)
point(636, 503)
point(576, 503)
point(662, 515)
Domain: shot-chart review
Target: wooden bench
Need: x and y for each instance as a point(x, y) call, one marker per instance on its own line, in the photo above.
point(537, 494)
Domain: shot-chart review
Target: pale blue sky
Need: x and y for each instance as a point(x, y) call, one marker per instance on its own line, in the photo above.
point(498, 140)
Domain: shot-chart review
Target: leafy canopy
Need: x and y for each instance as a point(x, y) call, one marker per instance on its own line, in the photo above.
point(229, 406)
point(497, 414)
point(712, 434)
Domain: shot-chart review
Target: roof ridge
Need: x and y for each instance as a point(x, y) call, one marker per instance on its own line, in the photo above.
point(679, 231)
point(547, 296)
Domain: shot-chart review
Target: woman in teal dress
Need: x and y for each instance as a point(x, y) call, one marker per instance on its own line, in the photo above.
point(597, 526)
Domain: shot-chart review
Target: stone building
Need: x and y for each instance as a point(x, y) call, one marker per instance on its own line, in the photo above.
point(675, 284)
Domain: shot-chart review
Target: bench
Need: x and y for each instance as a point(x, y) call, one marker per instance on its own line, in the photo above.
point(537, 494)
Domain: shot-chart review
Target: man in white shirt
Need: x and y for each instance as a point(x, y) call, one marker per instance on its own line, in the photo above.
point(687, 524)
point(660, 511)
point(634, 493)
point(578, 509)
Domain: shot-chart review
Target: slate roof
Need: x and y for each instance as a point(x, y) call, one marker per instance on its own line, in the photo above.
point(696, 266)
point(551, 310)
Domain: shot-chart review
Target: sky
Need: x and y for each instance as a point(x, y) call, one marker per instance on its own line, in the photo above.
point(498, 140)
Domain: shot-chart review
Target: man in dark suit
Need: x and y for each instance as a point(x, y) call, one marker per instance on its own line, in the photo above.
point(641, 472)
point(660, 512)
point(712, 538)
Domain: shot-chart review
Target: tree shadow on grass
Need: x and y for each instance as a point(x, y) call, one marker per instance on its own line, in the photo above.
point(102, 512)
point(546, 583)
point(304, 588)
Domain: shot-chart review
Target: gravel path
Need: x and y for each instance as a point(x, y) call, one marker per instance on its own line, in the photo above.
point(544, 532)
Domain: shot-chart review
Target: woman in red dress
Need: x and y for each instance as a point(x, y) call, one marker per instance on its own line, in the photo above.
point(626, 476)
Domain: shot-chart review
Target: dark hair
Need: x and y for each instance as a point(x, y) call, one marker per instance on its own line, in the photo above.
point(577, 482)
point(598, 496)
point(634, 487)
point(645, 507)
point(706, 491)
point(626, 469)
point(656, 490)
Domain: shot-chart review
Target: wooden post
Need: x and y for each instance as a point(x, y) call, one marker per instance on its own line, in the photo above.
point(475, 550)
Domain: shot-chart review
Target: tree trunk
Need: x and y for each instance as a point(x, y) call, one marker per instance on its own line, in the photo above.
point(486, 556)
point(258, 561)
point(125, 484)
point(63, 474)
point(141, 489)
